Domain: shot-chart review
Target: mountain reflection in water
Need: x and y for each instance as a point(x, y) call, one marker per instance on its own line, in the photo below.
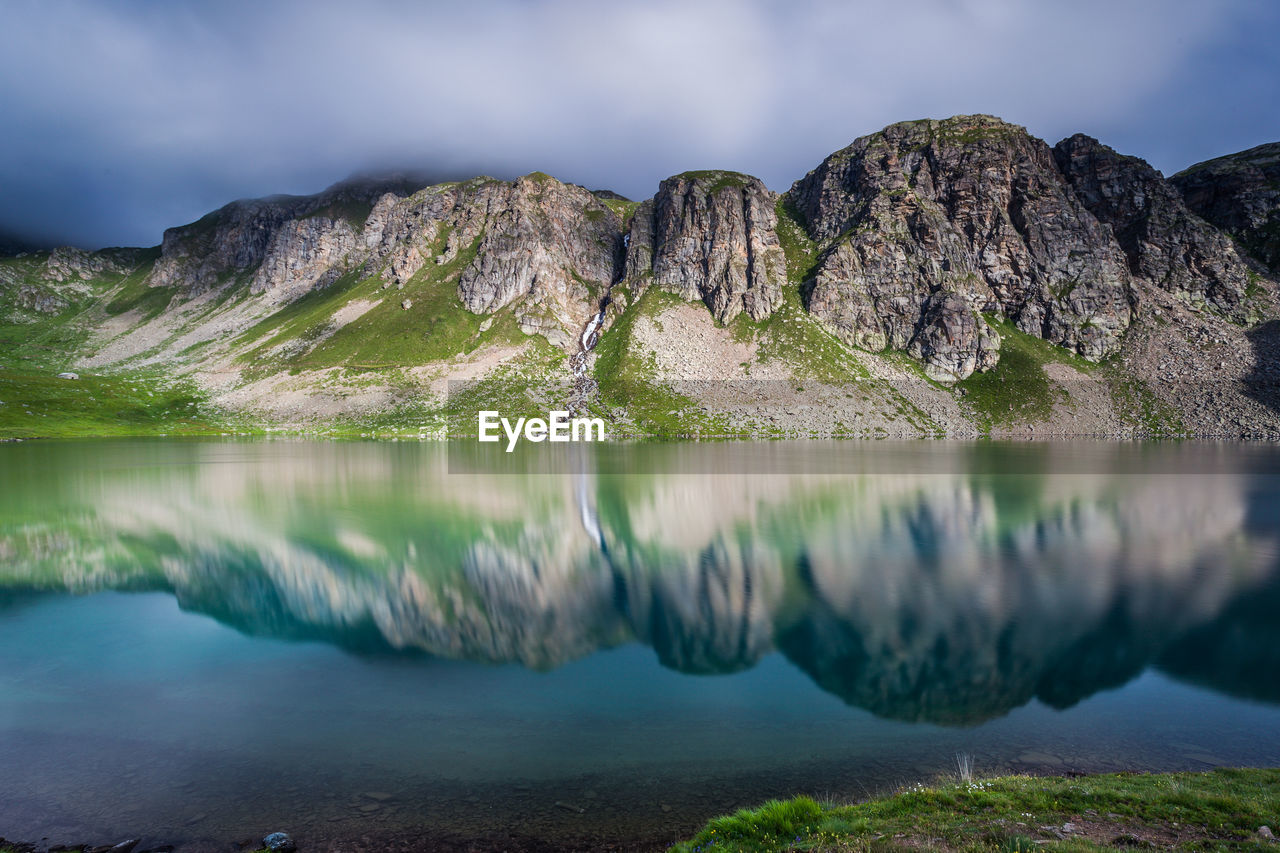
point(950, 589)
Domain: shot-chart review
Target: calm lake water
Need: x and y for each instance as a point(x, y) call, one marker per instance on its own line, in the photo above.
point(202, 641)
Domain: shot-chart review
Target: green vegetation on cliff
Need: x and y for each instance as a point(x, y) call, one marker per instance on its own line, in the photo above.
point(630, 392)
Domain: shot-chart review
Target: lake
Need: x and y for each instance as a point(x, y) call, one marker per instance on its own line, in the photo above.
point(373, 643)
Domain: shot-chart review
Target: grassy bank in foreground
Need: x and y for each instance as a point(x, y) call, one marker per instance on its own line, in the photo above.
point(1192, 811)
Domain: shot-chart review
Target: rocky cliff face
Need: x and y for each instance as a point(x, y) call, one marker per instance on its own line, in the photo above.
point(238, 239)
point(711, 236)
point(551, 245)
point(48, 283)
point(927, 224)
point(548, 246)
point(926, 237)
point(1166, 244)
point(1240, 194)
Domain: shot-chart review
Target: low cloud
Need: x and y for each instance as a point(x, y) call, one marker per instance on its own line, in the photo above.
point(124, 118)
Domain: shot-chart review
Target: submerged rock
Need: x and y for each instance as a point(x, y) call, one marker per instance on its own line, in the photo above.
point(279, 842)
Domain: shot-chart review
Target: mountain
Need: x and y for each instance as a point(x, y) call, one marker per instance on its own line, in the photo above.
point(1240, 193)
point(951, 277)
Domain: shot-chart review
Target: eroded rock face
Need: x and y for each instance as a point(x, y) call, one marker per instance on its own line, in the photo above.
point(39, 300)
point(304, 254)
point(1240, 194)
point(550, 249)
point(238, 238)
point(50, 283)
point(553, 245)
point(971, 207)
point(69, 264)
point(197, 257)
point(711, 236)
point(952, 341)
point(1166, 243)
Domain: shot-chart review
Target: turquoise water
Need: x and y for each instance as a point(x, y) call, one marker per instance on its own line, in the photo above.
point(363, 642)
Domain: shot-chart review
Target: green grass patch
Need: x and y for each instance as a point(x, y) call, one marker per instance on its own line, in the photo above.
point(802, 252)
point(716, 179)
point(1017, 390)
point(133, 292)
point(622, 208)
point(795, 337)
point(1221, 810)
point(629, 388)
point(39, 405)
point(436, 326)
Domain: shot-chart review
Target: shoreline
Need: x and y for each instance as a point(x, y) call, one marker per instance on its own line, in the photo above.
point(1255, 437)
point(1225, 808)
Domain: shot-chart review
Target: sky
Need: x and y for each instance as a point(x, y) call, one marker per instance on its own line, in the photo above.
point(119, 118)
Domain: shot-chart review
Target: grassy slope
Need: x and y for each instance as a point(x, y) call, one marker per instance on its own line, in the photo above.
point(375, 348)
point(38, 405)
point(381, 343)
point(791, 333)
point(436, 326)
point(1017, 390)
point(629, 389)
point(35, 403)
point(1194, 811)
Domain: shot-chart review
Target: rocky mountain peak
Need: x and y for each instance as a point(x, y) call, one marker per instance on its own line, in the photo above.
point(943, 239)
point(551, 245)
point(1240, 194)
point(711, 236)
point(1165, 243)
point(972, 208)
point(237, 238)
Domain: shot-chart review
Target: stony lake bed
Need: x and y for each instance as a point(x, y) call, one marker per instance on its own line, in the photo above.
point(379, 645)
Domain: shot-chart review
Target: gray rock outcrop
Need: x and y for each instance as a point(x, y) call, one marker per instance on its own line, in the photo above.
point(237, 239)
point(972, 208)
point(304, 254)
point(549, 248)
point(1240, 194)
point(1165, 243)
point(711, 236)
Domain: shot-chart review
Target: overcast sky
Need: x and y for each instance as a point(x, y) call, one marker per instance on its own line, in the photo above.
point(118, 119)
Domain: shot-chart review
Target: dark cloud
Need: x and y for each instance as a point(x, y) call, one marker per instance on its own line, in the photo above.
point(123, 118)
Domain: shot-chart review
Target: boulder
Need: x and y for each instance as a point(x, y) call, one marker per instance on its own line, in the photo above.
point(279, 842)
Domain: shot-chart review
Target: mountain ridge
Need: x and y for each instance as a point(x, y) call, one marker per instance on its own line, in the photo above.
point(948, 241)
